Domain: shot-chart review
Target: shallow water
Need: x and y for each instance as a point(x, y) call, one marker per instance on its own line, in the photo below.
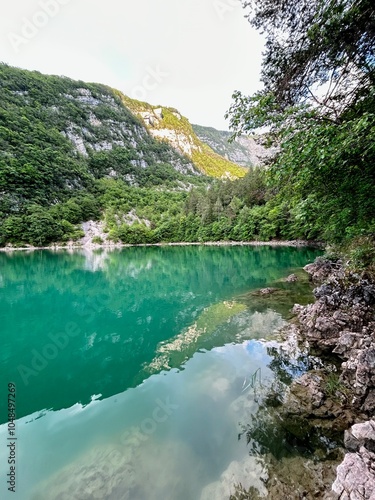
point(136, 368)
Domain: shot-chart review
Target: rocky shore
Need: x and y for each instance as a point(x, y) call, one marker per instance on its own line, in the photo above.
point(338, 398)
point(316, 428)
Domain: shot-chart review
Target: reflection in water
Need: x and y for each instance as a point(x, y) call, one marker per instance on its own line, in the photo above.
point(108, 324)
point(151, 372)
point(172, 354)
point(164, 439)
point(272, 430)
point(300, 453)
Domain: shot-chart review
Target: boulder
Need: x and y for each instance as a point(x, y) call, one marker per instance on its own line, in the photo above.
point(369, 404)
point(321, 269)
point(355, 478)
point(361, 435)
point(306, 393)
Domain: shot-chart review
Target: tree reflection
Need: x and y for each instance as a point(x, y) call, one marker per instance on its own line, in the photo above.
point(273, 429)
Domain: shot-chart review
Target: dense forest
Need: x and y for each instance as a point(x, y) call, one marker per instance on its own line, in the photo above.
point(318, 106)
point(57, 158)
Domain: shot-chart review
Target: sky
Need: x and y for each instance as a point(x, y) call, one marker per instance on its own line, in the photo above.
point(187, 54)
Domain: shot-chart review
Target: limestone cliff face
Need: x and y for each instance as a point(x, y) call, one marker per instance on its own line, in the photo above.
point(246, 151)
point(180, 139)
point(109, 124)
point(77, 132)
point(115, 120)
point(168, 125)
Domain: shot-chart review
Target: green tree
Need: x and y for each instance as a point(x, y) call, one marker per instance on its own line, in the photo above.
point(319, 103)
point(315, 42)
point(42, 228)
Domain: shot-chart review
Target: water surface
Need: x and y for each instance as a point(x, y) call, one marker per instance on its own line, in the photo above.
point(134, 368)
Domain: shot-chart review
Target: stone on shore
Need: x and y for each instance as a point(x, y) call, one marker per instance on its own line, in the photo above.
point(356, 476)
point(341, 322)
point(359, 436)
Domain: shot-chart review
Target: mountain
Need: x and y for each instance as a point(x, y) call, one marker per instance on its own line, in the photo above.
point(244, 150)
point(167, 124)
point(57, 134)
point(72, 151)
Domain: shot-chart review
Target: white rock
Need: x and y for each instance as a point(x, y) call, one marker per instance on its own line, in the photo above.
point(356, 477)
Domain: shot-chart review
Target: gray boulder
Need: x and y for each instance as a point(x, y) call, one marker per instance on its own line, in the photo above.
point(359, 436)
point(356, 476)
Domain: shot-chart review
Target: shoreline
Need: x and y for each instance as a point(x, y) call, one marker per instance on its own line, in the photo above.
point(114, 246)
point(336, 396)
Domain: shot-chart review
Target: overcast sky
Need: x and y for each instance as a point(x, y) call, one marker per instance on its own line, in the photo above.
point(188, 54)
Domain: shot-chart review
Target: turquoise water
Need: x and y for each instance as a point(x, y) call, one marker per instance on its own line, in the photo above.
point(133, 368)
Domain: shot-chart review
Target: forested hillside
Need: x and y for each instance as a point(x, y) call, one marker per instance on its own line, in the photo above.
point(73, 152)
point(70, 150)
point(318, 102)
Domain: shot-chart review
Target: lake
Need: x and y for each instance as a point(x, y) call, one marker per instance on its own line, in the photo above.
point(137, 369)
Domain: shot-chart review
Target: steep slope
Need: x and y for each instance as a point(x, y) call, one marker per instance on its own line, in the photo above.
point(168, 125)
point(56, 135)
point(71, 152)
point(244, 150)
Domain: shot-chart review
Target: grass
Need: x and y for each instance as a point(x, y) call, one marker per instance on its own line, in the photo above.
point(333, 386)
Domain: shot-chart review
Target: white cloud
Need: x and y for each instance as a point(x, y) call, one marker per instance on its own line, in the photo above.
point(206, 48)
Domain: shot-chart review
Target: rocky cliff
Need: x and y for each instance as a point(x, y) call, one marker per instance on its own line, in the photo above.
point(109, 124)
point(169, 126)
point(248, 151)
point(58, 133)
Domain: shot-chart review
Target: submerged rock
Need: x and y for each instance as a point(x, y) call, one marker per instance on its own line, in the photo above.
point(293, 478)
point(306, 394)
point(298, 478)
point(266, 291)
point(291, 278)
point(248, 473)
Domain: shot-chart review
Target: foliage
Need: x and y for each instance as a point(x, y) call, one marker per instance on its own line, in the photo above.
point(318, 103)
point(310, 43)
point(97, 240)
point(227, 210)
point(318, 186)
point(334, 387)
point(47, 186)
point(359, 255)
